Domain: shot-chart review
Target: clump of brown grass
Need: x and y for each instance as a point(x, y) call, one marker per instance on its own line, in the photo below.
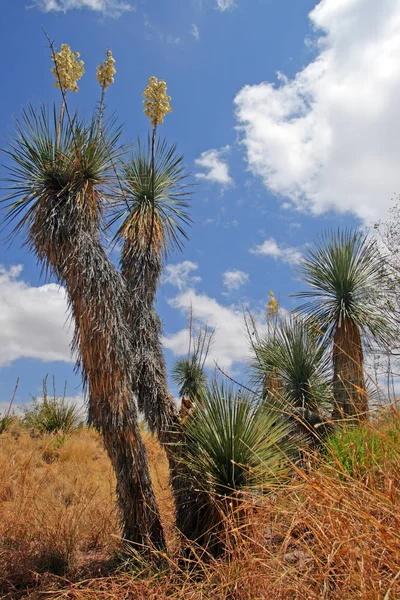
point(328, 535)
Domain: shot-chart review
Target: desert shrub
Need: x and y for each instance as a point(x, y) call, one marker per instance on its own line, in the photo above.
point(52, 414)
point(6, 421)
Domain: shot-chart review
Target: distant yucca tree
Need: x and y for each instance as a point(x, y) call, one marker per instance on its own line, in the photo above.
point(188, 373)
point(347, 280)
point(61, 174)
point(299, 358)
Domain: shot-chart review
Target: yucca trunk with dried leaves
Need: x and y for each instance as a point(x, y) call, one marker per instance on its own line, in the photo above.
point(141, 267)
point(273, 387)
point(97, 298)
point(350, 395)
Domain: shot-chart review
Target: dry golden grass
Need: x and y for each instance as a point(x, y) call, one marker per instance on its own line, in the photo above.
point(327, 536)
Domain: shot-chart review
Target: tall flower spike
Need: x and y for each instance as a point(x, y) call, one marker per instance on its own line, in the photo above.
point(67, 69)
point(156, 101)
point(106, 71)
point(273, 305)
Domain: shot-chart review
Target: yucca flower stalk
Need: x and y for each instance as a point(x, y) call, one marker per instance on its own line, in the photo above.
point(67, 71)
point(347, 279)
point(156, 106)
point(59, 181)
point(105, 77)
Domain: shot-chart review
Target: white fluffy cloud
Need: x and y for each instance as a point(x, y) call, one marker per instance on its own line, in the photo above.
point(223, 5)
point(195, 31)
point(112, 8)
point(230, 344)
point(234, 279)
point(286, 254)
point(328, 138)
point(217, 170)
point(180, 274)
point(33, 320)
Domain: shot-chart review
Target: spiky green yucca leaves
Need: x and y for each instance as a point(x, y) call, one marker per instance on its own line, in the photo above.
point(161, 219)
point(346, 276)
point(299, 359)
point(189, 376)
point(188, 373)
point(53, 415)
point(236, 443)
point(67, 177)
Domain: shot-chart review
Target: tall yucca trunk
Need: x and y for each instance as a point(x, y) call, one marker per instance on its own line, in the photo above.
point(273, 386)
point(349, 389)
point(142, 270)
point(97, 298)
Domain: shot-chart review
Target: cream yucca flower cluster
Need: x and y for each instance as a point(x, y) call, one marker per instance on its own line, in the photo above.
point(156, 101)
point(68, 70)
point(273, 305)
point(106, 71)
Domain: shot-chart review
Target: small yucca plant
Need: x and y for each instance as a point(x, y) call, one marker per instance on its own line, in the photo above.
point(53, 414)
point(236, 443)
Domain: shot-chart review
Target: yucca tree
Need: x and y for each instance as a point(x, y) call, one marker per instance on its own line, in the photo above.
point(299, 358)
point(188, 373)
point(61, 174)
point(346, 276)
point(270, 380)
point(154, 213)
point(190, 378)
point(235, 445)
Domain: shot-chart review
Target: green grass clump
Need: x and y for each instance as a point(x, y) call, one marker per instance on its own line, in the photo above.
point(363, 451)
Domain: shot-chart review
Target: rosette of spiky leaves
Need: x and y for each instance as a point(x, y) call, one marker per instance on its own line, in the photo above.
point(189, 376)
point(164, 227)
point(188, 373)
point(236, 443)
point(58, 187)
point(347, 279)
point(299, 357)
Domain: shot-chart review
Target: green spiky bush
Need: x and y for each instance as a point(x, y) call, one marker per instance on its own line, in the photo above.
point(236, 443)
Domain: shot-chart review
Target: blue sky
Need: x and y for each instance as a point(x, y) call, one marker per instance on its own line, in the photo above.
point(287, 114)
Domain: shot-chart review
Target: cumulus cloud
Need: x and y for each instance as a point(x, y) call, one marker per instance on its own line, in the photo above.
point(286, 254)
point(223, 5)
point(328, 138)
point(180, 274)
point(234, 279)
point(230, 344)
point(111, 8)
point(217, 170)
point(195, 31)
point(33, 320)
